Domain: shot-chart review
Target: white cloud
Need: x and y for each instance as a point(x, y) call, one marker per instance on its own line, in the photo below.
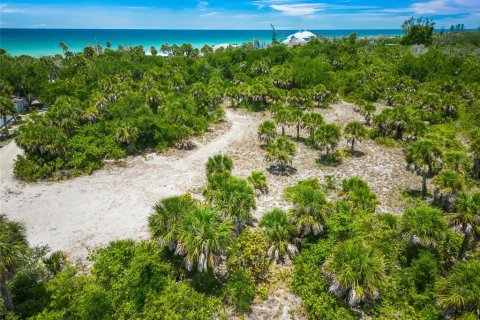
point(6, 9)
point(202, 5)
point(210, 14)
point(300, 9)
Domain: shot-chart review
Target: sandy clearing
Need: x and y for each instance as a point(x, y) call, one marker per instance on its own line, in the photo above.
point(113, 203)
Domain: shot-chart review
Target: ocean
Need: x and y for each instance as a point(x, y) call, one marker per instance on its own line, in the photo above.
point(44, 42)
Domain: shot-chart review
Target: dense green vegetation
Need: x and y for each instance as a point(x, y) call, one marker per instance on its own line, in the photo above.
point(209, 258)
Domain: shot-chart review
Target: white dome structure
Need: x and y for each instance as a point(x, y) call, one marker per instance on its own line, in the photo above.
point(301, 37)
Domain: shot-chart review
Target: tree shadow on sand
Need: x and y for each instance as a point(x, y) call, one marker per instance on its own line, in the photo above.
point(329, 160)
point(279, 171)
point(355, 153)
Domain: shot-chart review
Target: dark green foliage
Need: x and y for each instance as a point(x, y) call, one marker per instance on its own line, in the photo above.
point(127, 280)
point(239, 291)
point(418, 31)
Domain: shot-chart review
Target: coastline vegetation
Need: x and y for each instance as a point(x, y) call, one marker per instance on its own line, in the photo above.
point(210, 258)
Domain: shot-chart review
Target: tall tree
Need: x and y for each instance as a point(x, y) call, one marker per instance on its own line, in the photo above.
point(466, 217)
point(424, 158)
point(355, 131)
point(327, 137)
point(281, 151)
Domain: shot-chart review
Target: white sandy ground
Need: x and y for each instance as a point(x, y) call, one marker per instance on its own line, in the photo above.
point(114, 203)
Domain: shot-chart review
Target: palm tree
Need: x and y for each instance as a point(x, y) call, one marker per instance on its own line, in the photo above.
point(466, 217)
point(327, 137)
point(219, 163)
point(319, 94)
point(267, 131)
point(153, 51)
point(127, 134)
point(282, 117)
point(310, 207)
point(281, 151)
point(424, 158)
point(63, 46)
point(280, 233)
point(447, 184)
point(259, 181)
point(358, 192)
point(423, 225)
point(367, 110)
point(312, 121)
point(233, 196)
point(203, 238)
point(457, 161)
point(108, 44)
point(355, 131)
point(166, 218)
point(6, 108)
point(13, 244)
point(296, 118)
point(356, 271)
point(458, 292)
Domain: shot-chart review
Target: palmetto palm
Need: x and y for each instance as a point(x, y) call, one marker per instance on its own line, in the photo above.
point(259, 181)
point(296, 118)
point(358, 192)
point(282, 117)
point(423, 225)
point(424, 158)
point(447, 184)
point(165, 221)
point(466, 217)
point(367, 110)
point(6, 108)
point(13, 244)
point(219, 163)
point(327, 137)
point(267, 131)
point(312, 121)
point(356, 270)
point(310, 207)
point(459, 293)
point(127, 134)
point(203, 237)
point(233, 196)
point(280, 233)
point(280, 151)
point(457, 161)
point(355, 131)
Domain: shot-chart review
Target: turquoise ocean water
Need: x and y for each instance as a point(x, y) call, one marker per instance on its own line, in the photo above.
point(42, 42)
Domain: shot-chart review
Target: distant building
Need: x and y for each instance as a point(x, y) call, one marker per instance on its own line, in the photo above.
point(300, 38)
point(20, 105)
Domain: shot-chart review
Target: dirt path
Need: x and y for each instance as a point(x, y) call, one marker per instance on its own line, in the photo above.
point(113, 203)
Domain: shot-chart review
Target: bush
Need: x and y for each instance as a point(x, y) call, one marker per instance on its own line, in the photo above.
point(239, 291)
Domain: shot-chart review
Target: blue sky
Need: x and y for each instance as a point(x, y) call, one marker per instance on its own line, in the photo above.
point(234, 14)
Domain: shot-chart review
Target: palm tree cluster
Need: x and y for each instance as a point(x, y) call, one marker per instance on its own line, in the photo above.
point(310, 207)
